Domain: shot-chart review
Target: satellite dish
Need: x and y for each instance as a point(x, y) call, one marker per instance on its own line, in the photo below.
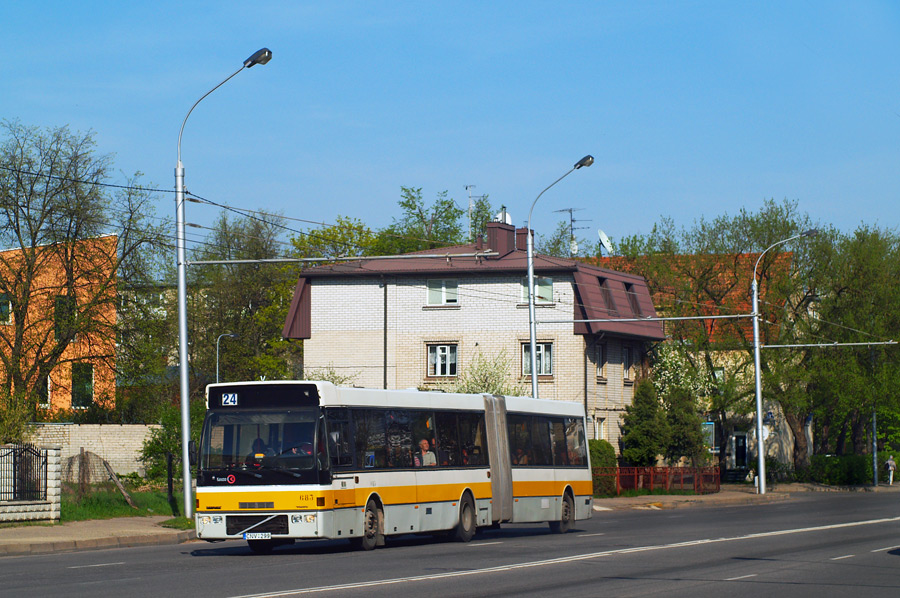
point(573, 248)
point(604, 241)
point(503, 216)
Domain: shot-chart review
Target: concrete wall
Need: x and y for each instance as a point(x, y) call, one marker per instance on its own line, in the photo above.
point(38, 510)
point(119, 445)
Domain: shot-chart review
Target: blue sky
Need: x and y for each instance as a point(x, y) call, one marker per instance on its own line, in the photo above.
point(691, 109)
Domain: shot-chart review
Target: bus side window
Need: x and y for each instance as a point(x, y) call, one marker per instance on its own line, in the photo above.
point(575, 441)
point(339, 440)
point(447, 454)
point(558, 442)
point(472, 439)
point(519, 434)
point(540, 438)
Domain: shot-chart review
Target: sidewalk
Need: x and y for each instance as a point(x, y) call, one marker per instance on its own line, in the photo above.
point(89, 535)
point(146, 531)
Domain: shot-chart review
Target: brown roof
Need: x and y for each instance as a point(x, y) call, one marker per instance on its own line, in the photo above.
point(595, 287)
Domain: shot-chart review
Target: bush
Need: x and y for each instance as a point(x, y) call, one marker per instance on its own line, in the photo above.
point(167, 439)
point(846, 470)
point(603, 455)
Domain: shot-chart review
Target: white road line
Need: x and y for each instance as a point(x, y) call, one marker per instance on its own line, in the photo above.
point(886, 548)
point(591, 535)
point(97, 565)
point(476, 544)
point(741, 577)
point(561, 560)
point(846, 556)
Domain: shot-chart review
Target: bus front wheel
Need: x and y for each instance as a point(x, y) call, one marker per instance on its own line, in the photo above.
point(465, 529)
point(371, 528)
point(566, 518)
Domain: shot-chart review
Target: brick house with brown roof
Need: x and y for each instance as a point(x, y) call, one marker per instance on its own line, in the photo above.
point(420, 319)
point(85, 352)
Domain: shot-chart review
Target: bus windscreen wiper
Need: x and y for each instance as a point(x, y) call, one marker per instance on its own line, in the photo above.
point(280, 470)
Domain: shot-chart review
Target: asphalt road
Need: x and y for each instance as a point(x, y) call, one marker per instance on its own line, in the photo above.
point(822, 544)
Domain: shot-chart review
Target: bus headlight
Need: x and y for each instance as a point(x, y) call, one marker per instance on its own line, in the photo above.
point(207, 519)
point(303, 518)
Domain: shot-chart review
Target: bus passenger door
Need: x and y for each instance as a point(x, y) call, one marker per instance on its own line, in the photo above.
point(498, 453)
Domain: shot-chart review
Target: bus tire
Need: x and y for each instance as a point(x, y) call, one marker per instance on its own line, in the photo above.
point(566, 518)
point(371, 528)
point(465, 529)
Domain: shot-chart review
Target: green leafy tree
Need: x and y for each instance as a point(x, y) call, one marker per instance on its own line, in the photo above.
point(348, 237)
point(645, 431)
point(422, 226)
point(494, 374)
point(559, 243)
point(685, 430)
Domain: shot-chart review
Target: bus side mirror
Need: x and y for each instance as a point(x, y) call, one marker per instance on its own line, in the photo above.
point(193, 453)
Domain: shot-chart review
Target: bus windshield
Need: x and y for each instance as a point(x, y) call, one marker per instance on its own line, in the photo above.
point(256, 441)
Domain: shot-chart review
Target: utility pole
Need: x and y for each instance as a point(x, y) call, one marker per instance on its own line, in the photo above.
point(573, 245)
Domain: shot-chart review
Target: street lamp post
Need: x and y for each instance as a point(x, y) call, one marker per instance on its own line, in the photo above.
point(226, 335)
point(760, 441)
point(529, 245)
point(259, 57)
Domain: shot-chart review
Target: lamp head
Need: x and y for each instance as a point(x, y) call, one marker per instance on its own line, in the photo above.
point(259, 57)
point(586, 161)
point(810, 233)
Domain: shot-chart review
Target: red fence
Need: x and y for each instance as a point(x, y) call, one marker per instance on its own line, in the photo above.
point(700, 480)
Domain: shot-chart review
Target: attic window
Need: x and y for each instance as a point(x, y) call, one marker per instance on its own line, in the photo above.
point(543, 289)
point(608, 302)
point(442, 292)
point(633, 300)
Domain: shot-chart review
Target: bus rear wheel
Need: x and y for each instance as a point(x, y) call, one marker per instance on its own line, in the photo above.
point(566, 518)
point(371, 528)
point(465, 529)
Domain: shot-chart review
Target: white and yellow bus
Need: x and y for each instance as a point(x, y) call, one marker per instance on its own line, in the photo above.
point(281, 461)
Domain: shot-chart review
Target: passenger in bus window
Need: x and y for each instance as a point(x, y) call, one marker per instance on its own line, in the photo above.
point(425, 458)
point(520, 458)
point(257, 451)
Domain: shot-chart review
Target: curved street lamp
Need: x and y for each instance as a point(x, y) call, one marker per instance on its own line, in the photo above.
point(226, 335)
point(259, 57)
point(760, 441)
point(529, 245)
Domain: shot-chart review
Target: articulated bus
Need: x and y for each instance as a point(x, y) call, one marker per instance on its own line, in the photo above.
point(282, 461)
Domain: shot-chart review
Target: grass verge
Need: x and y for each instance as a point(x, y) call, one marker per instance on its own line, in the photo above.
point(104, 501)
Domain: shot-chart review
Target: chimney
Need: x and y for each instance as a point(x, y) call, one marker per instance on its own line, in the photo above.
point(479, 242)
point(522, 239)
point(501, 237)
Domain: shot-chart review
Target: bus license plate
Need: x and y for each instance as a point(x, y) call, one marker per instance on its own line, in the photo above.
point(258, 536)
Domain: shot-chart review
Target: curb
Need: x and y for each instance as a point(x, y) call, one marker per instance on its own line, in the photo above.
point(654, 503)
point(35, 548)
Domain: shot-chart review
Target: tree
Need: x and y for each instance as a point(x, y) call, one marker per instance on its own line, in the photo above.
point(75, 246)
point(645, 433)
point(349, 237)
point(559, 243)
point(685, 433)
point(422, 226)
point(492, 375)
point(247, 299)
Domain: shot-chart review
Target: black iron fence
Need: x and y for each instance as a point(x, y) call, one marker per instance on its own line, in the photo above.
point(614, 480)
point(23, 473)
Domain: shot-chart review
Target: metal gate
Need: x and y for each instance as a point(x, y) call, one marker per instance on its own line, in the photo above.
point(23, 473)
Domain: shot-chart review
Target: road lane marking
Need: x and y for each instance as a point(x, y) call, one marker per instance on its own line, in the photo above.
point(886, 548)
point(741, 577)
point(475, 544)
point(591, 535)
point(561, 560)
point(846, 556)
point(97, 565)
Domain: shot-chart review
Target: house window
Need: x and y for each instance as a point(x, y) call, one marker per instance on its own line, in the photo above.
point(543, 289)
point(628, 363)
point(442, 292)
point(441, 360)
point(607, 298)
point(82, 385)
point(601, 362)
point(5, 309)
point(64, 317)
point(633, 300)
point(544, 353)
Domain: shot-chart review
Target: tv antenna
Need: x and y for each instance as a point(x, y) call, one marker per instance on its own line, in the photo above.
point(472, 207)
point(573, 244)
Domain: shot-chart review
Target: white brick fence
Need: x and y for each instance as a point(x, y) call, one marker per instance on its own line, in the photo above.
point(42, 502)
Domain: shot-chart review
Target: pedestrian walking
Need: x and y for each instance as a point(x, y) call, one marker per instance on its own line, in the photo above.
point(891, 467)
